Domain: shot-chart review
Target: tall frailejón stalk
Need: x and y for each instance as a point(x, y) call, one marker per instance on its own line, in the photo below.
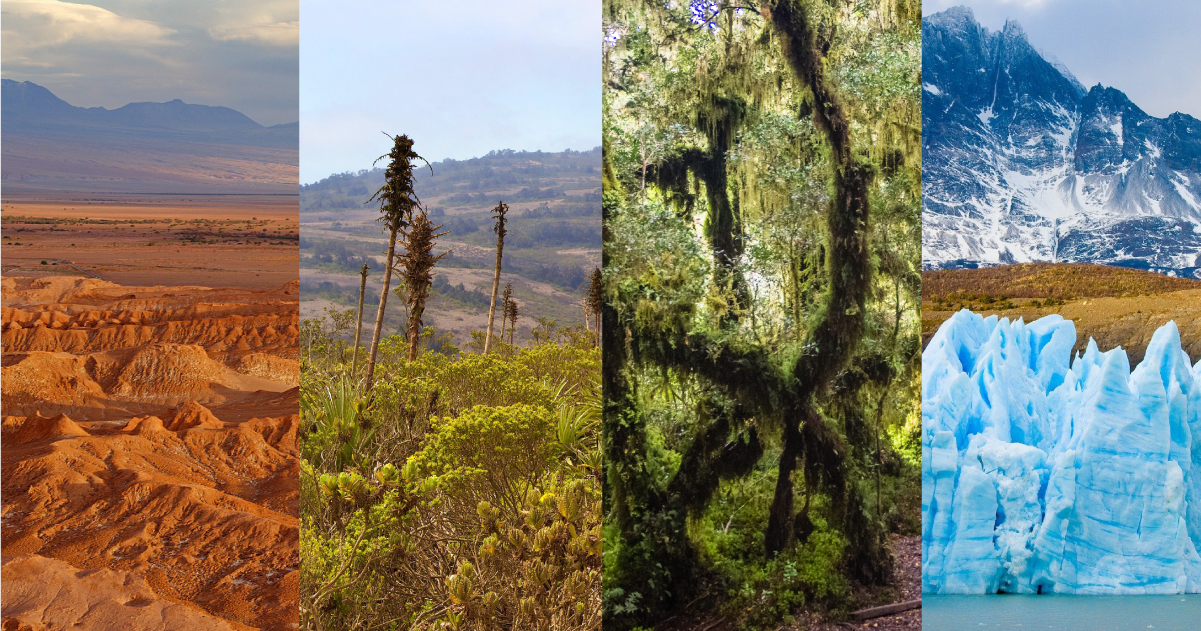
point(397, 203)
point(417, 265)
point(499, 228)
point(358, 327)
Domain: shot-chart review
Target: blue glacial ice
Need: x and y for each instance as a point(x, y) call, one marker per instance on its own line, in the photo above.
point(1048, 473)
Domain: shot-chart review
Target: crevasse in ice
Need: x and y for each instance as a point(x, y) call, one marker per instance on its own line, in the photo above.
point(1048, 473)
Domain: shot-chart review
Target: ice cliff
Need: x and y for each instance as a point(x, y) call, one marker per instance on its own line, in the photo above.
point(1048, 473)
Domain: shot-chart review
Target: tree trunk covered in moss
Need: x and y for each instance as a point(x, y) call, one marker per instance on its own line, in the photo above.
point(654, 560)
point(624, 435)
point(833, 341)
point(724, 230)
point(749, 388)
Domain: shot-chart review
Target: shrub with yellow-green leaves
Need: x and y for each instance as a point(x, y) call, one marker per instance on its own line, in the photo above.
point(491, 454)
point(572, 368)
point(538, 568)
point(359, 527)
point(463, 496)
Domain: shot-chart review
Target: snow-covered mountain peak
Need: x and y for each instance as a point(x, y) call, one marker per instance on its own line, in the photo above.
point(1023, 163)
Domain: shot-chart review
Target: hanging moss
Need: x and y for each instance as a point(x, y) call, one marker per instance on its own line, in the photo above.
point(790, 363)
point(712, 457)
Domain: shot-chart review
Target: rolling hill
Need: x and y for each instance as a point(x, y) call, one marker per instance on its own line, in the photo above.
point(554, 238)
point(1114, 305)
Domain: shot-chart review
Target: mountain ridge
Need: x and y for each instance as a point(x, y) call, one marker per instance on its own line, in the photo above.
point(1022, 163)
point(52, 146)
point(26, 102)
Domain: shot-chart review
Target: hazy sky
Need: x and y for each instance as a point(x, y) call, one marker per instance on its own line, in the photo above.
point(461, 77)
point(237, 53)
point(1148, 49)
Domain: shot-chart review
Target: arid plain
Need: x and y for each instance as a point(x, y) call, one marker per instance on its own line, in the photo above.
point(211, 240)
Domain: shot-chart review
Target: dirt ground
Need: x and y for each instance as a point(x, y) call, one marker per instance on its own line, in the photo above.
point(908, 552)
point(245, 242)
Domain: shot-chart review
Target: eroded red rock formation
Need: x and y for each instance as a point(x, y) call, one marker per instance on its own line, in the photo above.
point(149, 456)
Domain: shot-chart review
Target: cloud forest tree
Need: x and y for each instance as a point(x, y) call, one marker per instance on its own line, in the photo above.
point(792, 142)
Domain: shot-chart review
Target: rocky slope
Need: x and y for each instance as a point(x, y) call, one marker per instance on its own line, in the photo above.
point(149, 452)
point(1022, 163)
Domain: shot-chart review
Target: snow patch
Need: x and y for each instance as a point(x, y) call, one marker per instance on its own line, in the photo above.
point(985, 115)
point(1181, 184)
point(1153, 151)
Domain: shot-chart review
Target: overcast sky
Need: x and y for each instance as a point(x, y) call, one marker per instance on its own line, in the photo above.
point(1148, 49)
point(236, 53)
point(461, 77)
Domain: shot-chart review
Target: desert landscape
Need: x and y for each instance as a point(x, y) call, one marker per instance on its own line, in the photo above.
point(244, 241)
point(149, 316)
point(149, 451)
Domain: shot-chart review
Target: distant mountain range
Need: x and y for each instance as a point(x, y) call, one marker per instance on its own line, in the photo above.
point(50, 145)
point(1023, 163)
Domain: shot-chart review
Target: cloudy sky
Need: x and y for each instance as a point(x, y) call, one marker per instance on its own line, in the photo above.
point(237, 53)
point(461, 77)
point(1148, 49)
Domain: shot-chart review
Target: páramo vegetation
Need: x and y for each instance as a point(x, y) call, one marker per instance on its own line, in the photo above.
point(447, 488)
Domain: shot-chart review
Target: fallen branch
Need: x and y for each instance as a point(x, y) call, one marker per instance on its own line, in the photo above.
point(886, 610)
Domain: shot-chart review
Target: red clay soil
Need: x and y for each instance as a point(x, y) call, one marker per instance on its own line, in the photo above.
point(149, 456)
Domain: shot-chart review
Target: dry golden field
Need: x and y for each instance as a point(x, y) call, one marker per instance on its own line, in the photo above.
point(1115, 306)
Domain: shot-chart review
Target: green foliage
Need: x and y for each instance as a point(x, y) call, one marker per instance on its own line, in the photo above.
point(464, 496)
point(762, 594)
point(762, 286)
point(493, 454)
point(330, 417)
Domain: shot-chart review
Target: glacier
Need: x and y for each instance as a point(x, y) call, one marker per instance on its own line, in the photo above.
point(1048, 471)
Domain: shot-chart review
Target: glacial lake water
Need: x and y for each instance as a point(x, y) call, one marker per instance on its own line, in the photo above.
point(1061, 613)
